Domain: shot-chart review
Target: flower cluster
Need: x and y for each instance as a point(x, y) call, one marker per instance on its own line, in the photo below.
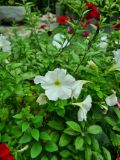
point(5, 152)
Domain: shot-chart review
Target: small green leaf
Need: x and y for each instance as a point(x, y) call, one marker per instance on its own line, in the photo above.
point(88, 153)
point(107, 154)
point(35, 134)
point(25, 138)
point(94, 129)
point(64, 140)
point(79, 141)
point(65, 153)
point(44, 158)
point(73, 125)
point(25, 126)
point(45, 136)
point(36, 150)
point(58, 125)
point(51, 147)
point(17, 116)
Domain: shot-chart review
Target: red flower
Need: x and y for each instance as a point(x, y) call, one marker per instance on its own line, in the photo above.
point(5, 152)
point(93, 13)
point(85, 34)
point(118, 158)
point(116, 27)
point(62, 20)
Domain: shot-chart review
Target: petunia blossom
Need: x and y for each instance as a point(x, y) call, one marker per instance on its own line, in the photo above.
point(111, 100)
point(84, 108)
point(60, 41)
point(58, 84)
point(5, 45)
point(117, 56)
point(118, 158)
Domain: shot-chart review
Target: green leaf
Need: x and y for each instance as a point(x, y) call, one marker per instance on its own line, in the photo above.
point(88, 153)
point(25, 126)
point(54, 158)
point(36, 150)
point(58, 125)
point(65, 153)
point(107, 154)
point(37, 121)
point(64, 140)
point(51, 147)
point(79, 141)
point(73, 125)
point(95, 145)
point(70, 132)
point(110, 121)
point(54, 136)
point(94, 129)
point(45, 136)
point(18, 116)
point(25, 138)
point(35, 134)
point(44, 158)
point(117, 111)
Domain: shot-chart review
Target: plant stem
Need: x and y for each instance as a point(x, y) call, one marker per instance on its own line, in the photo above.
point(88, 48)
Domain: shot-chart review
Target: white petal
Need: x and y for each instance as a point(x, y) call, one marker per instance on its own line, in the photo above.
point(68, 81)
point(87, 103)
point(64, 93)
point(82, 114)
point(111, 100)
point(38, 79)
point(104, 38)
point(52, 94)
point(57, 45)
point(77, 88)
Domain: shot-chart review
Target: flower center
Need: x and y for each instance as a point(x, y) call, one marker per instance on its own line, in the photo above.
point(57, 83)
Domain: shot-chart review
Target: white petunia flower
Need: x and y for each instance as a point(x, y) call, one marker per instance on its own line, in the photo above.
point(103, 45)
point(41, 100)
point(111, 100)
point(57, 84)
point(5, 45)
point(60, 41)
point(77, 88)
point(104, 38)
point(84, 108)
point(117, 56)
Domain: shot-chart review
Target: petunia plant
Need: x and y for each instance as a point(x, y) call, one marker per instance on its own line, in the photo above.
point(60, 94)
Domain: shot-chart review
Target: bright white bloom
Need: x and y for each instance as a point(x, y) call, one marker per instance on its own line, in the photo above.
point(104, 38)
point(111, 100)
point(57, 84)
point(77, 88)
point(117, 56)
point(41, 99)
point(60, 41)
point(5, 45)
point(84, 108)
point(103, 45)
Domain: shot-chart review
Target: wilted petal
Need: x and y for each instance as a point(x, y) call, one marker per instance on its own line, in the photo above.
point(41, 99)
point(111, 100)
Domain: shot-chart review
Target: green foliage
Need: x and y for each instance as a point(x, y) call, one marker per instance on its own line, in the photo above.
point(52, 131)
